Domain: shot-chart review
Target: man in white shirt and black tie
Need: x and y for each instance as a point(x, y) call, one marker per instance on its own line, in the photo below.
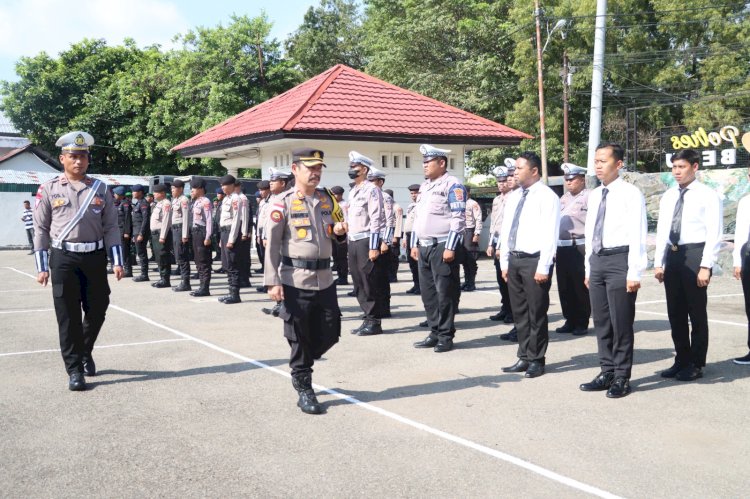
point(615, 258)
point(531, 223)
point(741, 262)
point(688, 236)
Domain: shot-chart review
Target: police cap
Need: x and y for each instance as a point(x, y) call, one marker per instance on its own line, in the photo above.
point(198, 183)
point(414, 187)
point(227, 180)
point(178, 183)
point(137, 188)
point(308, 156)
point(119, 190)
point(160, 188)
point(337, 189)
point(264, 184)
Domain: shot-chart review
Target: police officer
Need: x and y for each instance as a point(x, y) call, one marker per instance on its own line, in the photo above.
point(161, 235)
point(408, 228)
point(218, 200)
point(741, 263)
point(493, 246)
point(141, 230)
point(243, 243)
point(229, 224)
point(125, 224)
point(279, 181)
point(436, 244)
point(75, 227)
point(472, 233)
point(341, 250)
point(264, 194)
point(201, 231)
point(398, 233)
point(366, 220)
point(181, 233)
point(302, 221)
point(383, 264)
point(571, 268)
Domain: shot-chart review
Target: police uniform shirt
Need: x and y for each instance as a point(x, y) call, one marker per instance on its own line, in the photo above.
point(411, 213)
point(58, 201)
point(181, 214)
point(366, 212)
point(260, 218)
point(202, 216)
point(573, 210)
point(538, 225)
point(244, 214)
point(741, 230)
point(702, 221)
point(440, 211)
point(230, 215)
point(496, 218)
point(390, 218)
point(160, 218)
point(473, 216)
point(398, 212)
point(143, 208)
point(299, 227)
point(624, 224)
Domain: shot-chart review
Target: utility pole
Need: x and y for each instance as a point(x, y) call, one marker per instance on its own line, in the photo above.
point(597, 83)
point(566, 82)
point(540, 83)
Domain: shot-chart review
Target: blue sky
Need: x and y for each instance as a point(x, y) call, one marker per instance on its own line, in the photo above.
point(28, 27)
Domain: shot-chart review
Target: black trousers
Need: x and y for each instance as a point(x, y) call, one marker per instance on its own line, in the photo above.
point(229, 259)
point(261, 251)
point(202, 255)
point(142, 252)
point(746, 285)
point(366, 277)
point(471, 257)
point(413, 264)
point(530, 303)
point(181, 252)
point(312, 325)
point(394, 251)
point(383, 286)
point(440, 283)
point(127, 263)
point(686, 300)
point(341, 259)
point(80, 293)
point(163, 254)
point(613, 310)
point(504, 293)
point(574, 295)
point(243, 247)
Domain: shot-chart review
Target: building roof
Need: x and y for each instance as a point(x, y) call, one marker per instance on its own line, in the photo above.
point(6, 127)
point(345, 104)
point(37, 178)
point(32, 149)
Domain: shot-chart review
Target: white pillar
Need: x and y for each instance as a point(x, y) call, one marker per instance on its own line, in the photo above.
point(597, 80)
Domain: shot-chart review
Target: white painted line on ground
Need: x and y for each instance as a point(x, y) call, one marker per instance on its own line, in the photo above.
point(654, 302)
point(726, 323)
point(26, 311)
point(119, 345)
point(570, 482)
point(20, 290)
point(20, 272)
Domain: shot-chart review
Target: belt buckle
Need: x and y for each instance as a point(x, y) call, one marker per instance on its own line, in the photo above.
point(674, 247)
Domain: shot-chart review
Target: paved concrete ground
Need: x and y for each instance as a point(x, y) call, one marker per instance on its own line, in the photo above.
point(193, 399)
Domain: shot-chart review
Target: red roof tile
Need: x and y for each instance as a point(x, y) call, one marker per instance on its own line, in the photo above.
point(346, 101)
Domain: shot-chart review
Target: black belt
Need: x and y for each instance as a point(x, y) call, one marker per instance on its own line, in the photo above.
point(176, 226)
point(617, 250)
point(196, 228)
point(225, 228)
point(684, 247)
point(301, 263)
point(523, 254)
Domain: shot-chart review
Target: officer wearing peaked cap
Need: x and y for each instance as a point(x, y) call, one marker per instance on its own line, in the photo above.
point(264, 193)
point(229, 223)
point(201, 230)
point(493, 246)
point(365, 222)
point(125, 224)
point(302, 222)
point(436, 244)
point(181, 233)
point(398, 232)
point(571, 268)
point(75, 228)
point(383, 288)
point(161, 235)
point(408, 228)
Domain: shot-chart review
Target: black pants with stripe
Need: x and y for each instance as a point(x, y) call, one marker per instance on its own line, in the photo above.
point(440, 283)
point(229, 259)
point(202, 255)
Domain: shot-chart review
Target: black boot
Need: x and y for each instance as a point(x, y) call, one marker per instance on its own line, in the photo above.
point(273, 311)
point(233, 297)
point(164, 282)
point(202, 290)
point(370, 328)
point(183, 286)
point(307, 400)
point(144, 271)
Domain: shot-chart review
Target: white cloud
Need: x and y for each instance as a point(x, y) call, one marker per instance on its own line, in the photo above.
point(28, 27)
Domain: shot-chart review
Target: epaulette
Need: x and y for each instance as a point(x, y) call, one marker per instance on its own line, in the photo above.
point(285, 194)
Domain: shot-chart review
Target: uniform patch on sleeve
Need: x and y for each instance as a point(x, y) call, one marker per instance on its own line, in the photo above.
point(184, 203)
point(38, 196)
point(459, 193)
point(276, 216)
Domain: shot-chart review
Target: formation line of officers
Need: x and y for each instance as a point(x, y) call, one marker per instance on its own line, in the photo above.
point(596, 238)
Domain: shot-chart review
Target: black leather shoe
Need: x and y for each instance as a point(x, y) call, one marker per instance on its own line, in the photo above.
point(358, 328)
point(141, 278)
point(195, 276)
point(565, 328)
point(89, 367)
point(511, 335)
point(443, 346)
point(351, 293)
point(602, 382)
point(519, 367)
point(417, 291)
point(221, 270)
point(341, 282)
point(534, 370)
point(580, 331)
point(77, 383)
point(428, 342)
point(690, 373)
point(161, 283)
point(272, 311)
point(508, 319)
point(261, 289)
point(619, 388)
point(672, 371)
point(182, 287)
point(200, 292)
point(499, 316)
point(424, 324)
point(371, 328)
point(127, 274)
point(470, 287)
point(411, 290)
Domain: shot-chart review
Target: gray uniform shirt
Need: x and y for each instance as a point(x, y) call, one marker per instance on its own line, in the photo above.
point(230, 215)
point(496, 219)
point(573, 211)
point(441, 207)
point(181, 214)
point(411, 212)
point(161, 218)
point(366, 212)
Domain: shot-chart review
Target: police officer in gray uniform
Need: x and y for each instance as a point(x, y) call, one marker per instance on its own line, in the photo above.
point(181, 233)
point(75, 227)
point(161, 235)
point(229, 223)
point(408, 228)
point(202, 229)
point(383, 263)
point(436, 245)
point(125, 224)
point(141, 230)
point(302, 222)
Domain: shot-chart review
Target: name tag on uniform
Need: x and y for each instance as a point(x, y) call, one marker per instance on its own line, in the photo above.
point(57, 202)
point(300, 222)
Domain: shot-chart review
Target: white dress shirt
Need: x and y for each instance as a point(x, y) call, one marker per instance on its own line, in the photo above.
point(538, 225)
point(624, 224)
point(702, 221)
point(741, 230)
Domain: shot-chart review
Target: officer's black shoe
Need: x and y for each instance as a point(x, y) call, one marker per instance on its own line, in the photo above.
point(276, 309)
point(508, 318)
point(371, 328)
point(424, 324)
point(308, 402)
point(161, 283)
point(511, 335)
point(672, 371)
point(351, 293)
point(127, 273)
point(30, 253)
point(428, 342)
point(183, 286)
point(565, 328)
point(141, 278)
point(217, 258)
point(359, 328)
point(200, 292)
point(519, 367)
point(175, 272)
point(602, 382)
point(411, 290)
point(221, 270)
point(110, 270)
point(89, 367)
point(76, 383)
point(342, 281)
point(233, 297)
point(498, 316)
point(580, 331)
point(619, 388)
point(690, 373)
point(257, 271)
point(534, 370)
point(443, 346)
point(261, 289)
point(470, 287)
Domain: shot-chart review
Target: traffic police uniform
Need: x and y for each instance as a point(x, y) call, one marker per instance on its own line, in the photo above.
point(141, 231)
point(229, 224)
point(411, 212)
point(217, 233)
point(438, 226)
point(571, 268)
point(496, 223)
point(161, 237)
point(181, 236)
point(398, 233)
point(341, 250)
point(125, 224)
point(201, 231)
point(473, 228)
point(298, 255)
point(383, 263)
point(243, 243)
point(75, 227)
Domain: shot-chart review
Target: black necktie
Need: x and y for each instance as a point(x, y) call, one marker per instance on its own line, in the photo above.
point(674, 232)
point(516, 218)
point(596, 244)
